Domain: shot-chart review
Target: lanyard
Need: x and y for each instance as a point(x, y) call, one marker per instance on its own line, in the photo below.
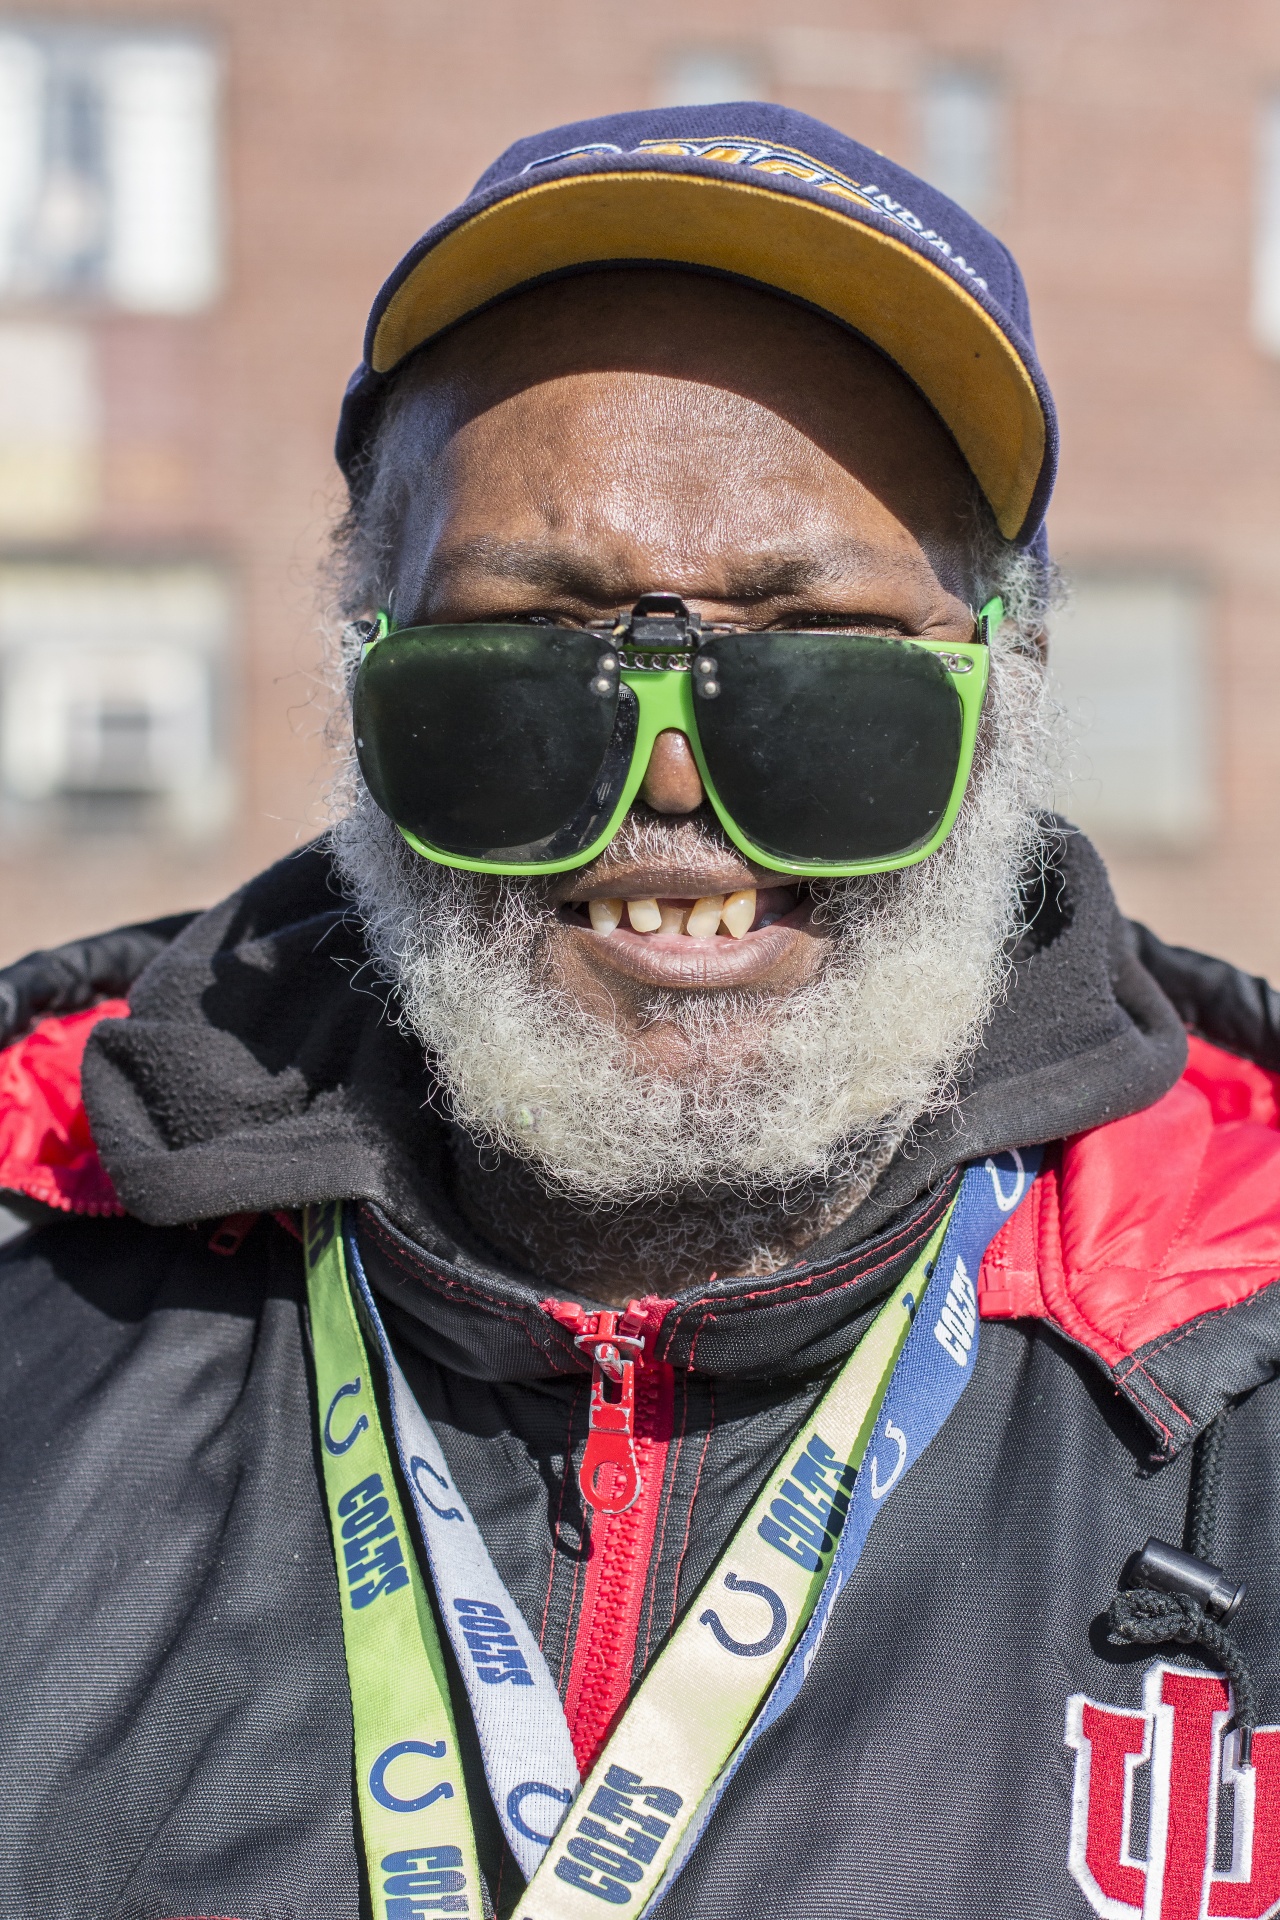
point(417, 1830)
point(737, 1659)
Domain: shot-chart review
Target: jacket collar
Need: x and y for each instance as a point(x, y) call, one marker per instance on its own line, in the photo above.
point(796, 1323)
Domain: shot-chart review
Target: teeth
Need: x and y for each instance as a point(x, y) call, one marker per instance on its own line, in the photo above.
point(605, 914)
point(704, 917)
point(739, 911)
point(735, 912)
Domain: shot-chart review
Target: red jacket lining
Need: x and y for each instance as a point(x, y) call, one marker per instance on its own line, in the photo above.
point(46, 1148)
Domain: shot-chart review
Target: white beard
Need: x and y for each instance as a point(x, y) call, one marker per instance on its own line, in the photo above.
point(837, 1072)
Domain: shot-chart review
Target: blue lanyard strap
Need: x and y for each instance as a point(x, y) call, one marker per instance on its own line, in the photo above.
point(936, 1366)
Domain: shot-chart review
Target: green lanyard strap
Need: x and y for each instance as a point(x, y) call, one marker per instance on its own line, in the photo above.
point(419, 1842)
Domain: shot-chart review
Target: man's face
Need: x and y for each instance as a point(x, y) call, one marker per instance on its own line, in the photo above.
point(556, 458)
point(609, 436)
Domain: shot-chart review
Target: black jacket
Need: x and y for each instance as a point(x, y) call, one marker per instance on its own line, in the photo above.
point(174, 1713)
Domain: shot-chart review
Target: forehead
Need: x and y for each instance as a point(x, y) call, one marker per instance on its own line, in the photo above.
point(685, 419)
point(721, 349)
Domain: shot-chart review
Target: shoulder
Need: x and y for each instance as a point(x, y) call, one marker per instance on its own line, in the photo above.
point(94, 1303)
point(137, 1366)
point(1153, 1243)
point(1232, 1009)
point(50, 1002)
point(83, 1298)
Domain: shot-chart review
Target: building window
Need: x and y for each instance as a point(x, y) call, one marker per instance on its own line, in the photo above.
point(1128, 658)
point(962, 137)
point(49, 431)
point(1266, 245)
point(108, 169)
point(112, 689)
point(702, 76)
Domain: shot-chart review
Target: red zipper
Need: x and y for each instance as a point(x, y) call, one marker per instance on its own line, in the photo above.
point(621, 1477)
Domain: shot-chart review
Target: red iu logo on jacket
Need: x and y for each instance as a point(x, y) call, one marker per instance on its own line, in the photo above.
point(1212, 1827)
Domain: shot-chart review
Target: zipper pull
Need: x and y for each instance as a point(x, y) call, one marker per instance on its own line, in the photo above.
point(610, 1474)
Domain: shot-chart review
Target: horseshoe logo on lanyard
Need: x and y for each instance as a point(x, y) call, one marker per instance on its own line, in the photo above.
point(748, 1649)
point(340, 1446)
point(880, 1487)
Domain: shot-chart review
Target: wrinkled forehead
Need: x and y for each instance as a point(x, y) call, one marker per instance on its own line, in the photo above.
point(666, 428)
point(723, 349)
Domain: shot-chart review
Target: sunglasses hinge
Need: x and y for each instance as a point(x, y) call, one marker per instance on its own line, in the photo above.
point(661, 621)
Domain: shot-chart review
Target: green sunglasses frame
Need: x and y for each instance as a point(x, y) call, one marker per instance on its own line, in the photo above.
point(666, 702)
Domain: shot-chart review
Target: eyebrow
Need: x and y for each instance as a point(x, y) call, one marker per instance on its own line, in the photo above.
point(549, 566)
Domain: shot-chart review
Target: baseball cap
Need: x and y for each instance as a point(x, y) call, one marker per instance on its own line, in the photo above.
point(773, 198)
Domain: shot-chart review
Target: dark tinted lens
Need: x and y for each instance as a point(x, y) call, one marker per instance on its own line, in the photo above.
point(829, 746)
point(494, 742)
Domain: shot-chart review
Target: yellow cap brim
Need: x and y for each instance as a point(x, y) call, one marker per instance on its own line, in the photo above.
point(914, 311)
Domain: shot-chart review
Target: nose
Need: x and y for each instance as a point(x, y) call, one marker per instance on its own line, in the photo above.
point(672, 783)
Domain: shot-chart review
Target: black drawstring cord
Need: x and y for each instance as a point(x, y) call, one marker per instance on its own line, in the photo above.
point(1182, 1597)
point(1144, 1617)
point(1206, 1486)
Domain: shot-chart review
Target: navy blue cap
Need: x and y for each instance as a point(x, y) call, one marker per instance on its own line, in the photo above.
point(769, 197)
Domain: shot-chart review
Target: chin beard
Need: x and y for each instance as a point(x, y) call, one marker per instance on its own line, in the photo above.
point(781, 1101)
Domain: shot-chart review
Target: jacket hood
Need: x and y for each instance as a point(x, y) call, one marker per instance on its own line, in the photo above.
point(260, 1069)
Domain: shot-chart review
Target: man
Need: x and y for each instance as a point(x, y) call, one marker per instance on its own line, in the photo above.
point(692, 1002)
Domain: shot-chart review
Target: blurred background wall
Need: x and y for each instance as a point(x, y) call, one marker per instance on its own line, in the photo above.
point(197, 204)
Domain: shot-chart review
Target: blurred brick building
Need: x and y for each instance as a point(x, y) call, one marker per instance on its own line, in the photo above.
point(196, 206)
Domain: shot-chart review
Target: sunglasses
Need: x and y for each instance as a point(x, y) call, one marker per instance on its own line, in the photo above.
point(519, 747)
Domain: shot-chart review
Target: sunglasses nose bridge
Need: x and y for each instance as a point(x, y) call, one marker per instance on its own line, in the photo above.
point(667, 759)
